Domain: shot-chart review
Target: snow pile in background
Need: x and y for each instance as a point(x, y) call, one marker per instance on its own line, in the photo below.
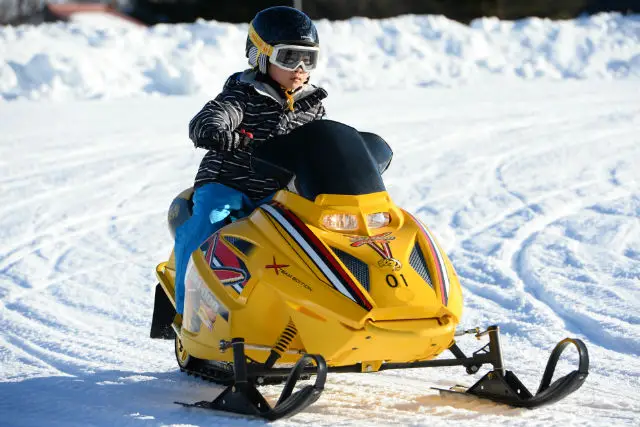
point(99, 58)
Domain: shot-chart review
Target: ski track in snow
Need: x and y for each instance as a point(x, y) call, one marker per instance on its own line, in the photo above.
point(532, 189)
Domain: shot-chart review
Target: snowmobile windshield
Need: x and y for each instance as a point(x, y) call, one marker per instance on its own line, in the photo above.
point(326, 157)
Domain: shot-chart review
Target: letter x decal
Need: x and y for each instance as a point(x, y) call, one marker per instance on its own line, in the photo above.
point(276, 266)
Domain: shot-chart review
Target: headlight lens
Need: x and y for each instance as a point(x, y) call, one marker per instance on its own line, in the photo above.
point(340, 222)
point(378, 220)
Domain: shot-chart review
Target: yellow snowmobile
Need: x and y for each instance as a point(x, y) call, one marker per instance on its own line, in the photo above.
point(330, 275)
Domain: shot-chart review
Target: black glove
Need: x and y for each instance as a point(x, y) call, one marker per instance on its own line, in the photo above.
point(245, 140)
point(227, 141)
point(236, 140)
point(245, 143)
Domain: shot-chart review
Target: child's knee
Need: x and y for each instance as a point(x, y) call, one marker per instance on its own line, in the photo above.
point(219, 214)
point(216, 201)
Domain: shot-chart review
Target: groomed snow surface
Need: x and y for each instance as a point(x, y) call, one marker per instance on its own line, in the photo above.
point(532, 187)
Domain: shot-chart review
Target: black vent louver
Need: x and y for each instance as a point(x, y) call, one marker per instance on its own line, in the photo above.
point(242, 245)
point(359, 269)
point(416, 259)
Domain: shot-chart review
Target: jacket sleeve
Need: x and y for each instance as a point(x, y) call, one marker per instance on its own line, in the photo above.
point(214, 126)
point(322, 113)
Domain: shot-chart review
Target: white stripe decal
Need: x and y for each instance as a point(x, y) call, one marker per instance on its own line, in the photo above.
point(443, 267)
point(309, 251)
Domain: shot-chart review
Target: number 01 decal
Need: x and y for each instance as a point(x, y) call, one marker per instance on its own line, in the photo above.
point(392, 280)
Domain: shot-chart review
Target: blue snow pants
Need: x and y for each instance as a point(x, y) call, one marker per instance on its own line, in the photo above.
point(212, 204)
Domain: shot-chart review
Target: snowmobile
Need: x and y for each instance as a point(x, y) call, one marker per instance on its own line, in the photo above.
point(329, 276)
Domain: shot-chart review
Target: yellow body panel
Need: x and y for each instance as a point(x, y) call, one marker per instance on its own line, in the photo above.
point(298, 274)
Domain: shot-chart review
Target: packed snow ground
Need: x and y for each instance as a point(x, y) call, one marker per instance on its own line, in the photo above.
point(532, 188)
point(93, 58)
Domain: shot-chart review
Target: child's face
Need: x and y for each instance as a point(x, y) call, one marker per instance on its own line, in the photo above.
point(290, 80)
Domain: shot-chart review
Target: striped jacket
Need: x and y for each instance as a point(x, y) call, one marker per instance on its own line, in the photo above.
point(256, 107)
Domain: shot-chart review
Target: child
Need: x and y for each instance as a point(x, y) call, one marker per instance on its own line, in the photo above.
point(272, 98)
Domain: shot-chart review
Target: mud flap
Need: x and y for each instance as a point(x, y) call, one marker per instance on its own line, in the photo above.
point(163, 314)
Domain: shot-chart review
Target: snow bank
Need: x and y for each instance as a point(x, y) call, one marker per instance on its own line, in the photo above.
point(93, 58)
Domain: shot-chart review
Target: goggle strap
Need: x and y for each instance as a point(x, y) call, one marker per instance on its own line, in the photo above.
point(263, 46)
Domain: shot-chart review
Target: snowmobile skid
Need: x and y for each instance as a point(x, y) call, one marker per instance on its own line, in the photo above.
point(330, 276)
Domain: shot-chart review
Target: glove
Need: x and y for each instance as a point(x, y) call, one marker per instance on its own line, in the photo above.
point(240, 140)
point(246, 140)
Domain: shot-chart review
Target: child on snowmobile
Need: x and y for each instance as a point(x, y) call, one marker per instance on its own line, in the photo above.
point(272, 98)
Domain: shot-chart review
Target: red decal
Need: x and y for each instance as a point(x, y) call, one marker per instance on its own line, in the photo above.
point(229, 269)
point(276, 267)
point(380, 244)
point(383, 238)
point(225, 256)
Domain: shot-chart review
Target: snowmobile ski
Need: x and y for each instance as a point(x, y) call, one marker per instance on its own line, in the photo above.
point(502, 386)
point(242, 396)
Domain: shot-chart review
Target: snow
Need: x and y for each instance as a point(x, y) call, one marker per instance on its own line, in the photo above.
point(103, 20)
point(97, 56)
point(516, 142)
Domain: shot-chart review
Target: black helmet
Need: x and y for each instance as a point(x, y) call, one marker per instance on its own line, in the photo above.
point(283, 25)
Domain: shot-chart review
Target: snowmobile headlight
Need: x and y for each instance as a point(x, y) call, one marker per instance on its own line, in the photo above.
point(340, 222)
point(378, 219)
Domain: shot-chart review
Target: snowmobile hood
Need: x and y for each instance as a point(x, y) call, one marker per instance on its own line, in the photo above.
point(396, 272)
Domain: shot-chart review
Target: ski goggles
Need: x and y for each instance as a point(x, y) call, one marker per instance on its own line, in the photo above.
point(290, 57)
point(286, 56)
